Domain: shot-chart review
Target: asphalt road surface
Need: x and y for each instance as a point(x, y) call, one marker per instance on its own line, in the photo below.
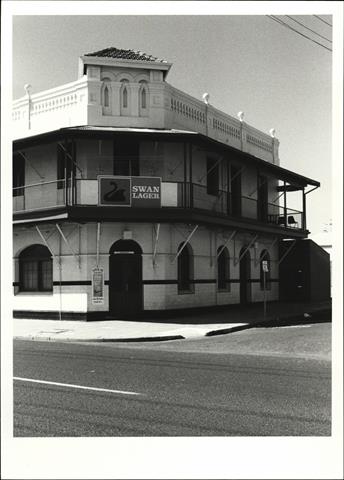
point(65, 389)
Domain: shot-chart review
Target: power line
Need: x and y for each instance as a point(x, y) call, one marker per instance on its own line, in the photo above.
point(317, 16)
point(296, 31)
point(304, 26)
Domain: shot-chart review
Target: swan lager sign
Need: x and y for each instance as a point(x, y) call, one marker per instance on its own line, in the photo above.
point(139, 192)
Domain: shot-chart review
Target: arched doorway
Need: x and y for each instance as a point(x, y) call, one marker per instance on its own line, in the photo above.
point(125, 279)
point(245, 277)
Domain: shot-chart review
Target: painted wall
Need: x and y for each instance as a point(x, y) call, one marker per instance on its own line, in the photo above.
point(83, 242)
point(162, 159)
point(40, 167)
point(65, 269)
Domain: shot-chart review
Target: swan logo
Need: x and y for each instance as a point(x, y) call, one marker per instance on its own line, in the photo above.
point(141, 192)
point(115, 191)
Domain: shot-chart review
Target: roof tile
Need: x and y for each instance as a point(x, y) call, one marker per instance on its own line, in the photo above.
point(113, 52)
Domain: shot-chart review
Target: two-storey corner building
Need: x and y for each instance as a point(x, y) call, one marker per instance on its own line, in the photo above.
point(130, 197)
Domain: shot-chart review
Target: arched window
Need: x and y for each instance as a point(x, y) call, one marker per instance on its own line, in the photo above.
point(35, 269)
point(265, 264)
point(143, 98)
point(125, 98)
point(106, 97)
point(185, 269)
point(223, 269)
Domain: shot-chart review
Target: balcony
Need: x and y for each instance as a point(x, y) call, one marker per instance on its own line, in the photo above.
point(179, 195)
point(40, 196)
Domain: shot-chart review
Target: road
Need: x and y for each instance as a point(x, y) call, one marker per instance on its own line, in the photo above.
point(156, 390)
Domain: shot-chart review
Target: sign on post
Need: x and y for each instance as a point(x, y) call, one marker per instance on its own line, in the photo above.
point(141, 192)
point(265, 268)
point(97, 286)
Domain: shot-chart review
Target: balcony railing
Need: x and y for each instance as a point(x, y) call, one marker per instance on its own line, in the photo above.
point(39, 196)
point(173, 194)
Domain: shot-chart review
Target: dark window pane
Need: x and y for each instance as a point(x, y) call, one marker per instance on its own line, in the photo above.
point(46, 275)
point(126, 157)
point(212, 176)
point(223, 270)
point(125, 97)
point(262, 198)
point(122, 167)
point(18, 174)
point(184, 270)
point(106, 97)
point(143, 98)
point(60, 166)
point(35, 269)
point(235, 191)
point(30, 276)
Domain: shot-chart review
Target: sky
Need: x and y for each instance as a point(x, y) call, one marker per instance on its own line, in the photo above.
point(246, 63)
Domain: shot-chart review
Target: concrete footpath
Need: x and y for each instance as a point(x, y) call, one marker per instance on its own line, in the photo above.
point(183, 326)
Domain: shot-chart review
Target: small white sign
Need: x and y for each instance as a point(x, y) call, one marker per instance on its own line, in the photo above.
point(97, 286)
point(265, 266)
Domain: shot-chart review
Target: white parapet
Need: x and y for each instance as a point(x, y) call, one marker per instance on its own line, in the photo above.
point(184, 111)
point(82, 103)
point(49, 110)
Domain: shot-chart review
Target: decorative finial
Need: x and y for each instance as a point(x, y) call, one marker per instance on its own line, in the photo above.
point(241, 116)
point(272, 132)
point(205, 97)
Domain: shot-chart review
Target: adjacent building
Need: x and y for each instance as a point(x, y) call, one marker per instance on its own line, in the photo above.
point(131, 197)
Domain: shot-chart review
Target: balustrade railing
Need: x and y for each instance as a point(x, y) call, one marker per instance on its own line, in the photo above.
point(58, 107)
point(173, 194)
point(40, 196)
point(193, 114)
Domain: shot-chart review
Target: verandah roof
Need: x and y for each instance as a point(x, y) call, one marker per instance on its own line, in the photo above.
point(295, 180)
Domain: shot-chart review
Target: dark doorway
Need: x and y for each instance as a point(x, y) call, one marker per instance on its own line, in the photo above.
point(235, 191)
point(262, 198)
point(126, 156)
point(212, 176)
point(245, 277)
point(125, 279)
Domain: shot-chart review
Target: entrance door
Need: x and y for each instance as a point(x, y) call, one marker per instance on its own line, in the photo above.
point(125, 279)
point(245, 276)
point(262, 203)
point(236, 191)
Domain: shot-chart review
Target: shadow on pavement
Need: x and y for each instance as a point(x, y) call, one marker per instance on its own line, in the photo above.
point(278, 313)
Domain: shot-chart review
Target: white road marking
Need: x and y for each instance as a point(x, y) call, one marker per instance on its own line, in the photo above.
point(296, 326)
point(68, 385)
